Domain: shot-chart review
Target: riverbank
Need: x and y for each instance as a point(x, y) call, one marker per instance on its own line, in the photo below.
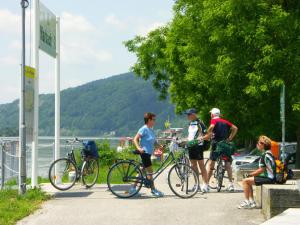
point(14, 207)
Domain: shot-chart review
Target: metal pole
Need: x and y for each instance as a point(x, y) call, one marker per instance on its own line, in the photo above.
point(282, 103)
point(35, 61)
point(57, 91)
point(2, 167)
point(22, 128)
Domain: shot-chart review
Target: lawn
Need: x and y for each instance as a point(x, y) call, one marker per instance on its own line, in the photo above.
point(14, 207)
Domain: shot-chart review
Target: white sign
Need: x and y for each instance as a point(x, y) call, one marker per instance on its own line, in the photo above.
point(47, 31)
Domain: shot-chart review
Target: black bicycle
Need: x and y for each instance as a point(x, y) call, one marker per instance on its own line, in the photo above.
point(224, 149)
point(182, 179)
point(64, 172)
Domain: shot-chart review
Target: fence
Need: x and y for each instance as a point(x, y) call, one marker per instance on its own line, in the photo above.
point(9, 161)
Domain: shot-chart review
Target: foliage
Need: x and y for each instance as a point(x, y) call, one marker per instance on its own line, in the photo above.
point(232, 54)
point(14, 207)
point(97, 108)
point(107, 155)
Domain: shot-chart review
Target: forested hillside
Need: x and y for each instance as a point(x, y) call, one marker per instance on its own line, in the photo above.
point(112, 105)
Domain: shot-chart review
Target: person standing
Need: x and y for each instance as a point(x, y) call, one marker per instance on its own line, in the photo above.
point(195, 145)
point(219, 130)
point(145, 142)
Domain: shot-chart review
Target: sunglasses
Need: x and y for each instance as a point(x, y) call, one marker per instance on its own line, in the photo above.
point(261, 143)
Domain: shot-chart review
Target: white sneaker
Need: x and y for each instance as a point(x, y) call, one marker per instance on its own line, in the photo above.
point(252, 204)
point(245, 205)
point(205, 188)
point(230, 188)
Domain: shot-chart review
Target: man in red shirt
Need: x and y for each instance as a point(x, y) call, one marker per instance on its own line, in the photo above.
point(219, 130)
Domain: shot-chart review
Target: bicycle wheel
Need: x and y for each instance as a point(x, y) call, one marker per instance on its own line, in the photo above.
point(90, 172)
point(183, 180)
point(122, 177)
point(63, 174)
point(220, 175)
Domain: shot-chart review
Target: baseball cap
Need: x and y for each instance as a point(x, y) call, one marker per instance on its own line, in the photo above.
point(215, 111)
point(190, 111)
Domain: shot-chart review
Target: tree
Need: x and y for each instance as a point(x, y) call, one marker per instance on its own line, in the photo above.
point(233, 54)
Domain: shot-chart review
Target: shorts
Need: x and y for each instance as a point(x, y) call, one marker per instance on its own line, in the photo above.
point(146, 160)
point(263, 180)
point(196, 152)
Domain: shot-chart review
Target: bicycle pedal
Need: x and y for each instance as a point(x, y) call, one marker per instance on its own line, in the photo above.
point(178, 185)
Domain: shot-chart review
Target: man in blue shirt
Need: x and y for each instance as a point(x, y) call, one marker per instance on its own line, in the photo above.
point(145, 142)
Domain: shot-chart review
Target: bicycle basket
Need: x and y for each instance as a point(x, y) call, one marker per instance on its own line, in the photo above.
point(226, 148)
point(89, 149)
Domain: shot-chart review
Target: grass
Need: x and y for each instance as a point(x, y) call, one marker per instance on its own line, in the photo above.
point(14, 207)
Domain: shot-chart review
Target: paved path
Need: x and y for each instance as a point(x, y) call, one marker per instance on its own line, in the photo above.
point(98, 206)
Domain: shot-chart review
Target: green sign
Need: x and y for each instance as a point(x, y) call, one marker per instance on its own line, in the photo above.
point(47, 31)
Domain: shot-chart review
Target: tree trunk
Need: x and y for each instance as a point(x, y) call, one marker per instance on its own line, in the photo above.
point(298, 149)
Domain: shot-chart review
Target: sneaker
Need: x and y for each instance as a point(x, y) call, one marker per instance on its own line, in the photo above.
point(252, 204)
point(157, 193)
point(245, 205)
point(230, 188)
point(205, 188)
point(194, 188)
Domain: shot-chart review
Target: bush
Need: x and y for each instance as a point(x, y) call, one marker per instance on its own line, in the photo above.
point(107, 155)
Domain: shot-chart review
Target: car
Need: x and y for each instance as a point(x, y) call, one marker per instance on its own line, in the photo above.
point(250, 161)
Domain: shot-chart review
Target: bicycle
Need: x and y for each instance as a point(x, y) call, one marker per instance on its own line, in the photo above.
point(65, 172)
point(220, 166)
point(182, 179)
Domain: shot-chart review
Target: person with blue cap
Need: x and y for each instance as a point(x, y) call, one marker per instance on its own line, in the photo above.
point(195, 145)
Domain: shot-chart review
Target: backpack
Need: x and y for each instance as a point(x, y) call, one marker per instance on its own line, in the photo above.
point(90, 149)
point(281, 171)
point(202, 129)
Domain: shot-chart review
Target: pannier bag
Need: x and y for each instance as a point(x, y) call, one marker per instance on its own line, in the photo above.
point(226, 148)
point(90, 149)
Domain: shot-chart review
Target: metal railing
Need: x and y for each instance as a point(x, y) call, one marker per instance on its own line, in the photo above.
point(9, 162)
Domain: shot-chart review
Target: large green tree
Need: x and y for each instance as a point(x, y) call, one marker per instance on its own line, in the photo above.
point(233, 54)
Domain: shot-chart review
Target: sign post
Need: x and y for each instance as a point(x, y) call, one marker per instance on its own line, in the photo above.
point(282, 119)
point(57, 92)
point(35, 64)
point(45, 37)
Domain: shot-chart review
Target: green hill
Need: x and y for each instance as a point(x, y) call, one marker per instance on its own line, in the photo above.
point(114, 104)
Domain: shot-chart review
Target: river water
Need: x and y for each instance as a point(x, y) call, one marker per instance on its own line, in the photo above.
point(45, 153)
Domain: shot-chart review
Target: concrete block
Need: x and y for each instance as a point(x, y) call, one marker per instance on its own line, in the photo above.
point(257, 195)
point(277, 198)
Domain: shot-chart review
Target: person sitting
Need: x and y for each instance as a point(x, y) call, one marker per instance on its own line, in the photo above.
point(265, 174)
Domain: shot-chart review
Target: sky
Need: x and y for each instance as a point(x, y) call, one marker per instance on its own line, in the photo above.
point(92, 36)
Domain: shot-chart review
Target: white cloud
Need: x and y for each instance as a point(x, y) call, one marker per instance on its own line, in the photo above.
point(10, 61)
point(76, 23)
point(80, 41)
point(111, 19)
point(9, 22)
point(144, 30)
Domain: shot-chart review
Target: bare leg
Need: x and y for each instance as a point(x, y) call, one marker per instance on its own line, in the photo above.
point(211, 166)
point(229, 170)
point(247, 186)
point(203, 171)
point(149, 171)
point(195, 166)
